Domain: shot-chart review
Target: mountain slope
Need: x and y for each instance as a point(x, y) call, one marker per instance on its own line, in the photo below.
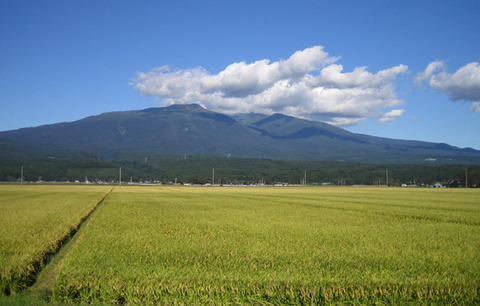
point(191, 129)
point(176, 129)
point(328, 142)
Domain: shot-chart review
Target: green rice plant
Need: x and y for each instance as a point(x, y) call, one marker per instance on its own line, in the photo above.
point(35, 221)
point(149, 245)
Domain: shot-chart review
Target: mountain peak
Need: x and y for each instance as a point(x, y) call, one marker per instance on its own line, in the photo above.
point(275, 117)
point(192, 106)
point(176, 108)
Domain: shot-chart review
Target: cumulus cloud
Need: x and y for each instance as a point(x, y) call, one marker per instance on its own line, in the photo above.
point(431, 69)
point(309, 84)
point(463, 85)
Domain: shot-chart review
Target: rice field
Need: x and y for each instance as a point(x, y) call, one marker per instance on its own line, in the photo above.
point(35, 220)
point(294, 245)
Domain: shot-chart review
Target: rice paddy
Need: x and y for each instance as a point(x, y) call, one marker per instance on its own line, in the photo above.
point(35, 220)
point(293, 245)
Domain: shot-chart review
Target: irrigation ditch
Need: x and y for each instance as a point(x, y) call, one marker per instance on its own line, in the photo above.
point(39, 284)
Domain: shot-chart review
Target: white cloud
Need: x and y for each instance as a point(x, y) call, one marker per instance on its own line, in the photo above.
point(464, 84)
point(392, 115)
point(429, 71)
point(308, 84)
point(475, 107)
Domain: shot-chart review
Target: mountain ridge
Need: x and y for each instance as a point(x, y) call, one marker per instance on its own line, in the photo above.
point(192, 129)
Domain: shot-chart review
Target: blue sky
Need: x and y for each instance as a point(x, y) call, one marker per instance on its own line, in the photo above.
point(361, 65)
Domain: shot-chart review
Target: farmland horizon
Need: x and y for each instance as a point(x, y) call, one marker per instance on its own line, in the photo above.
point(192, 245)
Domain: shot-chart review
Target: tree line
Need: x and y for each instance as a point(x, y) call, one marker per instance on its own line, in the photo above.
point(65, 166)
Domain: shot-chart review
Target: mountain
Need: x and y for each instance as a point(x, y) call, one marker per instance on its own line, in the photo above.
point(193, 130)
point(327, 142)
point(178, 129)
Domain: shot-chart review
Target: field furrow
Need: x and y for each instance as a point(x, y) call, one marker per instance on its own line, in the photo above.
point(36, 221)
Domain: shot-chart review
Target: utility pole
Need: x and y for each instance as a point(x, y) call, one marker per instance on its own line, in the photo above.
point(387, 177)
point(120, 176)
point(305, 178)
point(21, 176)
point(466, 180)
point(213, 176)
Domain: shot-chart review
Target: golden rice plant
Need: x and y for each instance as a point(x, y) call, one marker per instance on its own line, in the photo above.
point(277, 245)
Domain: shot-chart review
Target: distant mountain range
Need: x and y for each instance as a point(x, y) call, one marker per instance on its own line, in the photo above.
point(193, 130)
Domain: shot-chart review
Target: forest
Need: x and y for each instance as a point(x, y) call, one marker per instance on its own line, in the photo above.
point(169, 169)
